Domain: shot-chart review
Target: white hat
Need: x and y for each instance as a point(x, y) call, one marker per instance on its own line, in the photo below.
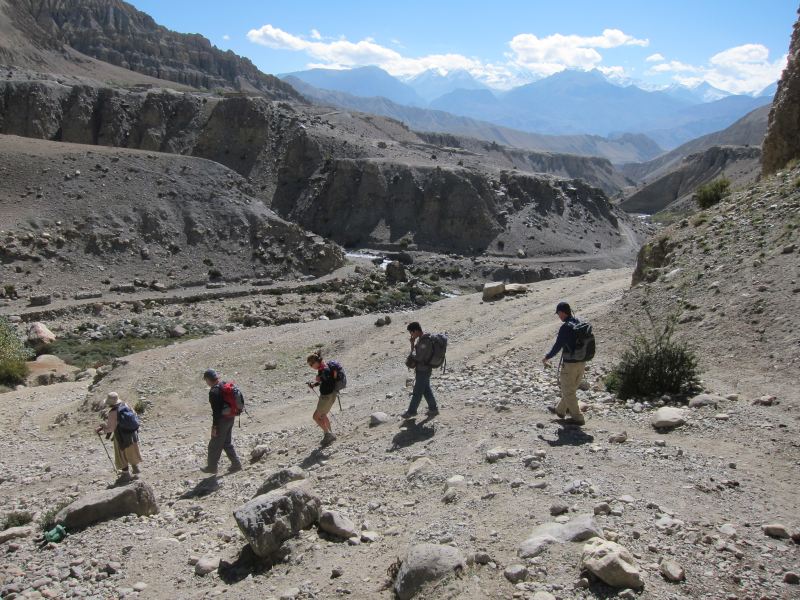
point(113, 399)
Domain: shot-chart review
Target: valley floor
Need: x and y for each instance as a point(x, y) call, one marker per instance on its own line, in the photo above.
point(670, 493)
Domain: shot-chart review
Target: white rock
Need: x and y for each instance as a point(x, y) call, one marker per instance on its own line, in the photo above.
point(493, 290)
point(612, 563)
point(668, 417)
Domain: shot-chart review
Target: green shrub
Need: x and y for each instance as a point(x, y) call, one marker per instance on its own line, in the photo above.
point(13, 355)
point(711, 193)
point(48, 518)
point(655, 364)
point(16, 518)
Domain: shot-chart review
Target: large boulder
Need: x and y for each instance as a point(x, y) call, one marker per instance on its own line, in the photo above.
point(668, 417)
point(579, 529)
point(138, 498)
point(492, 290)
point(270, 519)
point(39, 336)
point(337, 524)
point(424, 564)
point(611, 563)
point(280, 478)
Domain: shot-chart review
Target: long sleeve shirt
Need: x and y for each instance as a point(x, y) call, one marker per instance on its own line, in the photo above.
point(110, 426)
point(565, 339)
point(217, 403)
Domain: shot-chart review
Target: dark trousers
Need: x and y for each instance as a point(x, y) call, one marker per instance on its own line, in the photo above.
point(223, 441)
point(422, 387)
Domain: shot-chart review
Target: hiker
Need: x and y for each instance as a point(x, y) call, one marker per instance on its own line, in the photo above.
point(326, 380)
point(126, 442)
point(222, 420)
point(419, 359)
point(571, 367)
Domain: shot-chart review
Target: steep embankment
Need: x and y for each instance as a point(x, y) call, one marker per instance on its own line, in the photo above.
point(747, 131)
point(128, 45)
point(782, 143)
point(292, 154)
point(673, 191)
point(78, 218)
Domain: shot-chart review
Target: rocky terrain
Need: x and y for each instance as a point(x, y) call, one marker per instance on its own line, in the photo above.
point(39, 34)
point(674, 191)
point(781, 143)
point(481, 479)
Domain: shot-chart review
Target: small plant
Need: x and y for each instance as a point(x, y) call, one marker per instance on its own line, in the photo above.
point(140, 407)
point(655, 364)
point(48, 519)
point(13, 354)
point(16, 518)
point(710, 194)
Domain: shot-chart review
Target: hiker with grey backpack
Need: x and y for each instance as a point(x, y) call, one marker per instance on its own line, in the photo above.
point(427, 353)
point(122, 425)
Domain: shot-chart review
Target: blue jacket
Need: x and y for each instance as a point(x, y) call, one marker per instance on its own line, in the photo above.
point(565, 340)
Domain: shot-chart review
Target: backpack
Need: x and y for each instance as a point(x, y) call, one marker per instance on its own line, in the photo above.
point(340, 379)
point(438, 358)
point(584, 341)
point(232, 397)
point(127, 421)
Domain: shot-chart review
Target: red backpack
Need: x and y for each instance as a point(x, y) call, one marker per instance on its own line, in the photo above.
point(233, 399)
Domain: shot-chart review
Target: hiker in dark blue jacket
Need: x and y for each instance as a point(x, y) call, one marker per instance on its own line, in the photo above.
point(571, 369)
point(221, 427)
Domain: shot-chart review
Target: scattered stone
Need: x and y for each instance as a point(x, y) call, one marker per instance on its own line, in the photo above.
point(41, 300)
point(603, 508)
point(776, 530)
point(270, 365)
point(765, 401)
point(579, 529)
point(177, 331)
point(418, 467)
point(672, 571)
point(280, 478)
point(668, 417)
point(611, 563)
point(516, 573)
point(337, 524)
point(259, 452)
point(39, 336)
point(559, 508)
point(493, 290)
point(138, 498)
point(424, 564)
point(547, 595)
point(791, 578)
point(618, 438)
point(378, 418)
point(513, 289)
point(206, 565)
point(496, 454)
point(270, 519)
point(13, 533)
point(702, 400)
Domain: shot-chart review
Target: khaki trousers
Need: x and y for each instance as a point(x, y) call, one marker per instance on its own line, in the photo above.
point(569, 379)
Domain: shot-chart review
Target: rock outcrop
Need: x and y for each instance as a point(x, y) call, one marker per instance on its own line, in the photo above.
point(138, 498)
point(782, 143)
point(425, 564)
point(117, 33)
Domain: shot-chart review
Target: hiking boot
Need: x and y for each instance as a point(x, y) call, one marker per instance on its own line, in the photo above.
point(209, 470)
point(136, 470)
point(432, 412)
point(577, 422)
point(235, 468)
point(408, 415)
point(124, 477)
point(327, 439)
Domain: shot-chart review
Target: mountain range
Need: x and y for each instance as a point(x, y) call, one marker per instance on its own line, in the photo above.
point(567, 103)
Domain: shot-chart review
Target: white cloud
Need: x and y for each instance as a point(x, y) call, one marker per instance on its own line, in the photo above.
point(226, 37)
point(614, 73)
point(531, 56)
point(655, 57)
point(744, 69)
point(554, 53)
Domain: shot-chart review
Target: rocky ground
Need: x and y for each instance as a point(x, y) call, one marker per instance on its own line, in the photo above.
point(697, 495)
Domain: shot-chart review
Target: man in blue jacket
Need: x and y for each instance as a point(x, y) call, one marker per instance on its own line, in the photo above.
point(572, 367)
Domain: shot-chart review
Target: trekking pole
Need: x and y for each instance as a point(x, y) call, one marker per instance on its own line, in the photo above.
point(339, 398)
point(113, 466)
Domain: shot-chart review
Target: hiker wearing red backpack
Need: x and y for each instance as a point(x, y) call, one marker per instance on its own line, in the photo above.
point(226, 403)
point(328, 376)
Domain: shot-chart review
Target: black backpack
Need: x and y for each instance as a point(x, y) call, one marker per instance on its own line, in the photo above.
point(585, 345)
point(439, 354)
point(127, 421)
point(339, 379)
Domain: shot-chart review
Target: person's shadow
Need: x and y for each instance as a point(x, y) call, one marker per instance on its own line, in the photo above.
point(204, 487)
point(316, 457)
point(247, 563)
point(412, 433)
point(569, 435)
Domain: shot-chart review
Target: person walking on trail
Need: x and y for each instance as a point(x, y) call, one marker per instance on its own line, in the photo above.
point(126, 439)
point(571, 368)
point(222, 421)
point(419, 359)
point(326, 381)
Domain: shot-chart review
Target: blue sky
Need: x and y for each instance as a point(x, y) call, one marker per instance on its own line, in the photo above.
point(738, 45)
